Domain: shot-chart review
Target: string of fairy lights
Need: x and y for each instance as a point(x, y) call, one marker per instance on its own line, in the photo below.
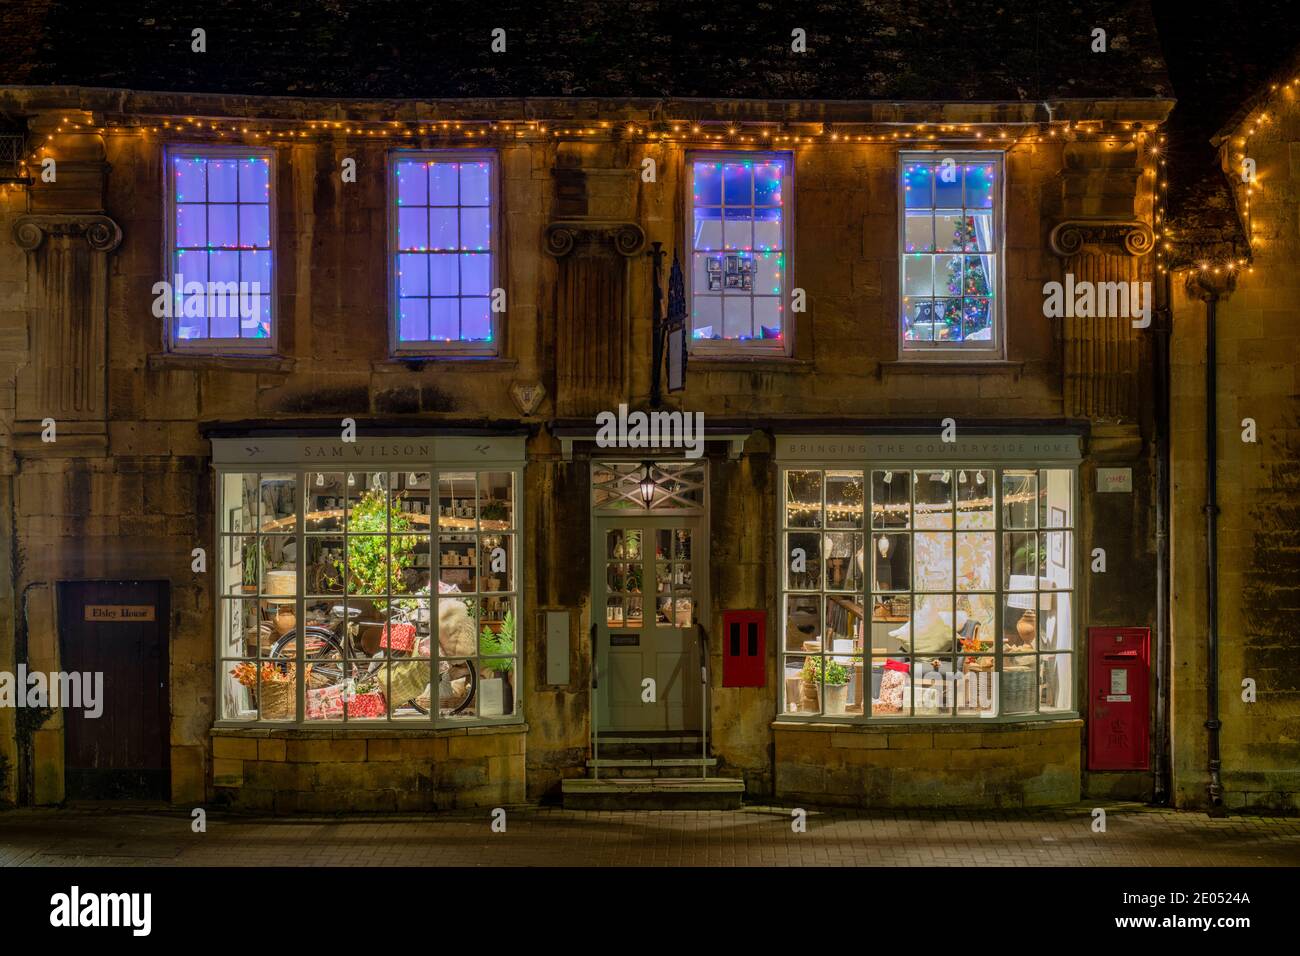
point(1278, 97)
point(684, 133)
point(688, 133)
point(835, 511)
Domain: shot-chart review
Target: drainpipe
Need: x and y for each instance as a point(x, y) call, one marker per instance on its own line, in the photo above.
point(1160, 360)
point(1212, 722)
point(1210, 289)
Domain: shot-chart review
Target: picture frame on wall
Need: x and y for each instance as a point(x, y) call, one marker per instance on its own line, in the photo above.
point(236, 527)
point(1056, 518)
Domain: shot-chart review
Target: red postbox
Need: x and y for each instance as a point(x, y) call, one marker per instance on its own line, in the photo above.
point(744, 648)
point(1118, 675)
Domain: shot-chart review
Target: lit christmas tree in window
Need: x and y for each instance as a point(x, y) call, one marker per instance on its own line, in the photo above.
point(969, 288)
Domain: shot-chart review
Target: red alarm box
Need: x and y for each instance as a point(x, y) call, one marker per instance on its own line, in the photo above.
point(1118, 711)
point(744, 648)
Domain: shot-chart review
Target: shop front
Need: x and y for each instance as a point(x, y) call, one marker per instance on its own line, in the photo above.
point(922, 649)
point(367, 608)
point(929, 619)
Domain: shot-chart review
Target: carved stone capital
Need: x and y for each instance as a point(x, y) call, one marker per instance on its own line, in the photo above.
point(1070, 237)
point(564, 235)
point(100, 232)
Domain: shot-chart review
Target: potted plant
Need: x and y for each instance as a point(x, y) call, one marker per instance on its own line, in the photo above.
point(836, 682)
point(253, 558)
point(496, 653)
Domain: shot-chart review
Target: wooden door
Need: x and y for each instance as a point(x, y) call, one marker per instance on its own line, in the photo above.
point(647, 579)
point(117, 629)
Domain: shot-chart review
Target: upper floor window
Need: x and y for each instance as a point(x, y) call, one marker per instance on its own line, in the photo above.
point(219, 249)
point(444, 252)
point(951, 234)
point(738, 245)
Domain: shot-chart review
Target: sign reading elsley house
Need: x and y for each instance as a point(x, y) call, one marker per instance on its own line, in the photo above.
point(886, 448)
point(119, 612)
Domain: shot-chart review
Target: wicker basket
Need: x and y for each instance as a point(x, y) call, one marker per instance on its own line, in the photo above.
point(277, 700)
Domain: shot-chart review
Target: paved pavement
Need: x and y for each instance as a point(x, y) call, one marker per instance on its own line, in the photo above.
point(754, 836)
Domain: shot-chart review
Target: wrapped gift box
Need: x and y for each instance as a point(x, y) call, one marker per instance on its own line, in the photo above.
point(367, 705)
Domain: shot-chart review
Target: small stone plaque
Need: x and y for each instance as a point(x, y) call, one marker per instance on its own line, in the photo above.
point(1114, 480)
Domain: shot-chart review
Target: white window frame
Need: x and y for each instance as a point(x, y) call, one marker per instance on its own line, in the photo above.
point(753, 347)
point(910, 351)
point(217, 346)
point(303, 458)
point(425, 349)
point(843, 460)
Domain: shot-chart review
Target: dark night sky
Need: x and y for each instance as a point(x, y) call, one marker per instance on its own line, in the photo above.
point(1217, 55)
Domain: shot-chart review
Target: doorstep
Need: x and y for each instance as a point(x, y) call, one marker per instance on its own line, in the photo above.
point(655, 793)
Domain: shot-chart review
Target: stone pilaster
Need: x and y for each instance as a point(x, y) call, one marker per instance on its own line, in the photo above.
point(1101, 238)
point(592, 320)
point(67, 238)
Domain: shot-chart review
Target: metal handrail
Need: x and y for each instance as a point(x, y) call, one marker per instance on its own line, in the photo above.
point(704, 701)
point(593, 695)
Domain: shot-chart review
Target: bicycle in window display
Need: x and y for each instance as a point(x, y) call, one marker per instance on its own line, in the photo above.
point(349, 649)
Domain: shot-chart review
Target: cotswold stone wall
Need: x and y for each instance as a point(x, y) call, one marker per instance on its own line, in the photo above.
point(987, 765)
point(1259, 500)
point(293, 771)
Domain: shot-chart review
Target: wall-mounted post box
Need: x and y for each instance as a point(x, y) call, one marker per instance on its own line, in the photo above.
point(744, 648)
point(1118, 710)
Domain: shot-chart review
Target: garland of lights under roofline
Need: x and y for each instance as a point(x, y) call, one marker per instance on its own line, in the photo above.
point(436, 134)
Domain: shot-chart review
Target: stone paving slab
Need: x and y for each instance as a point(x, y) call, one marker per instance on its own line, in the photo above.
point(753, 836)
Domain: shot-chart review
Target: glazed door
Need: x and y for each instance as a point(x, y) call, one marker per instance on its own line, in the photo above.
point(647, 648)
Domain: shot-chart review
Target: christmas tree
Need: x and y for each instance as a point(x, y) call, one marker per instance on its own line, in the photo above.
point(974, 282)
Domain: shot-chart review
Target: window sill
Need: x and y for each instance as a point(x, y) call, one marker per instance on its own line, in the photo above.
point(952, 367)
point(735, 363)
point(415, 363)
point(164, 361)
point(926, 725)
point(342, 732)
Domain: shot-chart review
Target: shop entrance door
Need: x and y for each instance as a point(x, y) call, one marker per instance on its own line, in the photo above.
point(648, 581)
point(117, 629)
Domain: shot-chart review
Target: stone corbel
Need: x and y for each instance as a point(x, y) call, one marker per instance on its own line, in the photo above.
point(101, 233)
point(1071, 236)
point(563, 235)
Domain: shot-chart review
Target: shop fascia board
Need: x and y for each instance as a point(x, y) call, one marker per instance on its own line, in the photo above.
point(570, 436)
point(889, 448)
point(369, 451)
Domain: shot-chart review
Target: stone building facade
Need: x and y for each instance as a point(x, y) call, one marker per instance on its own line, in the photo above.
point(1238, 266)
point(914, 647)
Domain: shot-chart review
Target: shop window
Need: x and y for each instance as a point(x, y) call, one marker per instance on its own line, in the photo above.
point(928, 592)
point(739, 242)
point(444, 252)
point(220, 241)
point(951, 234)
point(368, 597)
